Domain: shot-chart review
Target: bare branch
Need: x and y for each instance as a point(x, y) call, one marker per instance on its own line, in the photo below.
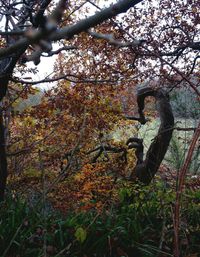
point(64, 48)
point(180, 49)
point(63, 77)
point(39, 17)
point(194, 64)
point(110, 38)
point(185, 129)
point(69, 31)
point(92, 21)
point(185, 77)
point(143, 121)
point(12, 33)
point(107, 148)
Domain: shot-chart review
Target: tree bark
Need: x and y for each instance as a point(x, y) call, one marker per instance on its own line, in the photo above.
point(146, 170)
point(3, 161)
point(6, 69)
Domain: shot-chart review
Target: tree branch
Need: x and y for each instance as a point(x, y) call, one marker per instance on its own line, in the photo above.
point(69, 31)
point(63, 77)
point(110, 38)
point(64, 48)
point(192, 45)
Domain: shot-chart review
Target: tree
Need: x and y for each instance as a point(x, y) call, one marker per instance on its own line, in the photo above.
point(156, 43)
point(42, 31)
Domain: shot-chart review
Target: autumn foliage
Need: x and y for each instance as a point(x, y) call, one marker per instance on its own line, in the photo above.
point(63, 137)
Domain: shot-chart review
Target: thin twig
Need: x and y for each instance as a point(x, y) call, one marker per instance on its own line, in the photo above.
point(181, 180)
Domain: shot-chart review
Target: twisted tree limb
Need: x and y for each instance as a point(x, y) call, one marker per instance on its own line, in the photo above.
point(146, 169)
point(104, 149)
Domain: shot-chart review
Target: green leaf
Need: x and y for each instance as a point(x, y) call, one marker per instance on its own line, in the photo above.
point(81, 234)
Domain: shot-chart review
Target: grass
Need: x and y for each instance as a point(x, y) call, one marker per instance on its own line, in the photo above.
point(139, 224)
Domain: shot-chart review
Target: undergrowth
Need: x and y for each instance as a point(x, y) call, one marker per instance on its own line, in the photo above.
point(139, 224)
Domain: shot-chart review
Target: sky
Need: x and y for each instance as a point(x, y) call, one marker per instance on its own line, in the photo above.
point(45, 68)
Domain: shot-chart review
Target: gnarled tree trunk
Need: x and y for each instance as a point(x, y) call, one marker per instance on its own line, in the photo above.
point(146, 169)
